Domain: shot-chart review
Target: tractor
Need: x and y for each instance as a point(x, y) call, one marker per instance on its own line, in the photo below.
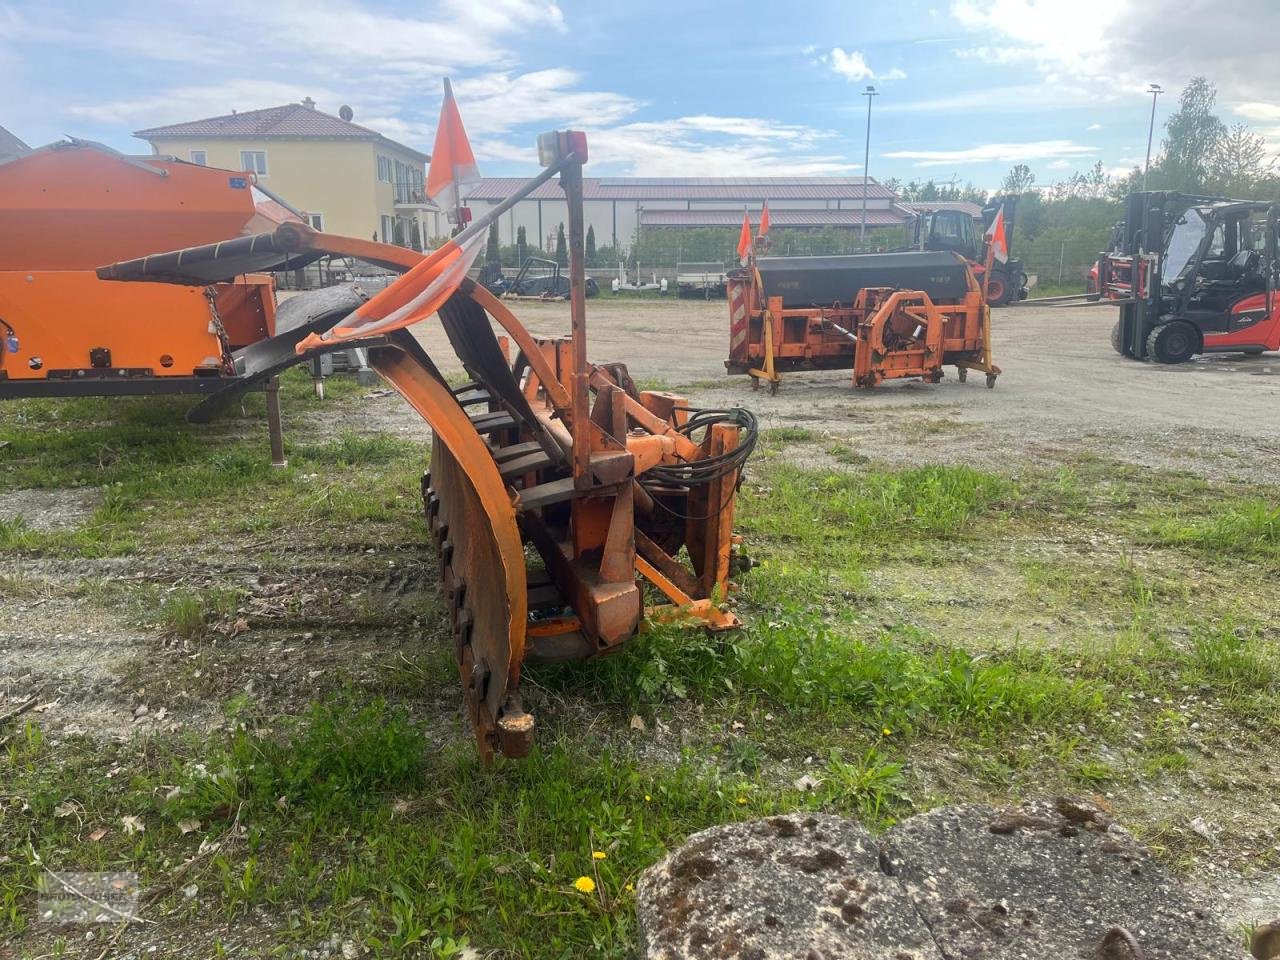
point(1195, 275)
point(953, 231)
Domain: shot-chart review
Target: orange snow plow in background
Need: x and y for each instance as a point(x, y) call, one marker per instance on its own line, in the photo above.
point(559, 495)
point(881, 315)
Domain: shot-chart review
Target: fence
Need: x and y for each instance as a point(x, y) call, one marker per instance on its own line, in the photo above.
point(1057, 261)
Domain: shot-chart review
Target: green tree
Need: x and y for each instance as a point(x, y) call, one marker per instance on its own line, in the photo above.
point(591, 246)
point(492, 249)
point(562, 247)
point(1238, 165)
point(522, 247)
point(1193, 132)
point(1018, 180)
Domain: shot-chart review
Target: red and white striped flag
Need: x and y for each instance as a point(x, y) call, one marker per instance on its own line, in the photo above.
point(996, 238)
point(453, 168)
point(744, 240)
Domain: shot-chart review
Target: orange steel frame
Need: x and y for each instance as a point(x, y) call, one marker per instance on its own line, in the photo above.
point(881, 334)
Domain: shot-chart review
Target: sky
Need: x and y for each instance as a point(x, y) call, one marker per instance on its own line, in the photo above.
point(967, 88)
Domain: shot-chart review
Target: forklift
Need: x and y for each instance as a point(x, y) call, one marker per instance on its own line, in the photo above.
point(1194, 275)
point(954, 231)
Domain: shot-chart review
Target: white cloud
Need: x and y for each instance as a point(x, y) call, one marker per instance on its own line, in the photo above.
point(1109, 49)
point(699, 145)
point(1094, 126)
point(995, 153)
point(495, 102)
point(853, 66)
point(193, 103)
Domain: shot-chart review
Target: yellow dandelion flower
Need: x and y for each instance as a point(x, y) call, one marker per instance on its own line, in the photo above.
point(742, 801)
point(598, 855)
point(630, 888)
point(887, 732)
point(648, 799)
point(584, 885)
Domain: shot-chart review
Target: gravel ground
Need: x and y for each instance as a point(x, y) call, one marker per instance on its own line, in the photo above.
point(1063, 391)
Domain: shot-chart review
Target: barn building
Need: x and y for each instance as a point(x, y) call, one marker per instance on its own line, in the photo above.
point(616, 206)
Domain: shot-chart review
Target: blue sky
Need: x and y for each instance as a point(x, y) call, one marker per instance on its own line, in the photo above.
point(692, 88)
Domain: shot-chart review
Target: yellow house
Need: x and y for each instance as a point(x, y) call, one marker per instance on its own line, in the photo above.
point(349, 179)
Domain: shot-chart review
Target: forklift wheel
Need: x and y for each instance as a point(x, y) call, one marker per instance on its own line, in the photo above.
point(997, 290)
point(991, 381)
point(1117, 338)
point(1173, 342)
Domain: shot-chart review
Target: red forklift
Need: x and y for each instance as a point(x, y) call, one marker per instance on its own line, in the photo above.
point(1193, 275)
point(954, 231)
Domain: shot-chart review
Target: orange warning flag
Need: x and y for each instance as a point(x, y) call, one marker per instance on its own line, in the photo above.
point(744, 240)
point(996, 238)
point(764, 222)
point(453, 166)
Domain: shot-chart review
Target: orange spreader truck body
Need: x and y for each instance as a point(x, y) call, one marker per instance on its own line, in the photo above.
point(69, 208)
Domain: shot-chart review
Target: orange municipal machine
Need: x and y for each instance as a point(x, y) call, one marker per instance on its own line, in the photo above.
point(561, 499)
point(69, 330)
point(67, 209)
point(883, 315)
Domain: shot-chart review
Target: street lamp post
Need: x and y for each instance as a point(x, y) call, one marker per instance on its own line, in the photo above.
point(1155, 90)
point(869, 93)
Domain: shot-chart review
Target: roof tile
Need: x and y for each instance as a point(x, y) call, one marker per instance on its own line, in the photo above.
point(289, 120)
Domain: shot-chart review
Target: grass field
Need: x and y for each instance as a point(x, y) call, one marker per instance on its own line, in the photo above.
point(914, 636)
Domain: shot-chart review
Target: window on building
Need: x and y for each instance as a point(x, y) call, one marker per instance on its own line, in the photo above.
point(317, 220)
point(200, 158)
point(254, 161)
point(384, 169)
point(387, 230)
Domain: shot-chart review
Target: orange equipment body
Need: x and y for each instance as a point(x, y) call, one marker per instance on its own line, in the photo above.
point(69, 208)
point(881, 333)
point(69, 325)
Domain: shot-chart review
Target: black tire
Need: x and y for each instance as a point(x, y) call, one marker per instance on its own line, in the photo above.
point(1117, 338)
point(1252, 352)
point(1174, 342)
point(998, 289)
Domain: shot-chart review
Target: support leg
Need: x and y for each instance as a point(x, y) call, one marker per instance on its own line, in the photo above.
point(274, 428)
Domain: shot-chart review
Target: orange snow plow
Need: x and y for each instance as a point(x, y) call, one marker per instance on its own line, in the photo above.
point(559, 496)
point(885, 316)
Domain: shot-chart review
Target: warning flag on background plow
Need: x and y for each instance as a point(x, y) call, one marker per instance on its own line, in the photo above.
point(764, 222)
point(996, 237)
point(744, 240)
point(453, 166)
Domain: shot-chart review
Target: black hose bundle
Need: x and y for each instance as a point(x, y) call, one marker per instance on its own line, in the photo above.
point(698, 473)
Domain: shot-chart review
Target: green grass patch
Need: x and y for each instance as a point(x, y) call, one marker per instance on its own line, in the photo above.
point(1247, 528)
point(350, 815)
